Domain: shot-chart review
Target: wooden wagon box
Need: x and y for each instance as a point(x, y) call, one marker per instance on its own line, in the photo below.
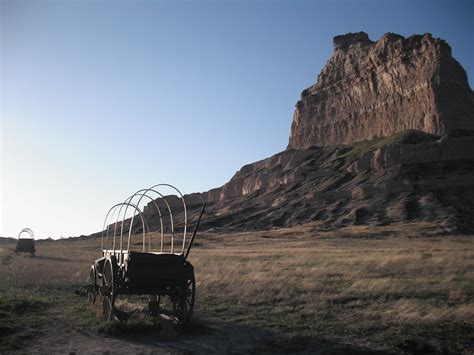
point(25, 246)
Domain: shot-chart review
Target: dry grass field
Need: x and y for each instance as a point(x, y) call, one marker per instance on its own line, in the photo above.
point(397, 289)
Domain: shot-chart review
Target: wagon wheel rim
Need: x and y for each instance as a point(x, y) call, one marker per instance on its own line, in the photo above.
point(108, 298)
point(184, 305)
point(107, 308)
point(91, 292)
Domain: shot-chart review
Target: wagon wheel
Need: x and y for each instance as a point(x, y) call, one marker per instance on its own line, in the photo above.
point(183, 306)
point(108, 290)
point(92, 287)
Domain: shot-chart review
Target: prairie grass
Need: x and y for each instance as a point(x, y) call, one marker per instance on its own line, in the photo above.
point(349, 286)
point(383, 288)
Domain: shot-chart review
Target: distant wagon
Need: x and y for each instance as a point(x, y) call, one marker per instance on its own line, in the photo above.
point(151, 270)
point(26, 244)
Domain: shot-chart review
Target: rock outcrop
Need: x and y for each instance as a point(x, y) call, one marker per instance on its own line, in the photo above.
point(375, 89)
point(413, 96)
point(409, 176)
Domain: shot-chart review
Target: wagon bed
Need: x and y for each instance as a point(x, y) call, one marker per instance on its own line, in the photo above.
point(147, 272)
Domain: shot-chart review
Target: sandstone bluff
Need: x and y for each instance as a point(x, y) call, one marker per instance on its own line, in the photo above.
point(385, 136)
point(375, 89)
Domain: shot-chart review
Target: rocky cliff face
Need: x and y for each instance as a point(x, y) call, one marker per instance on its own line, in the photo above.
point(375, 89)
point(409, 176)
point(413, 96)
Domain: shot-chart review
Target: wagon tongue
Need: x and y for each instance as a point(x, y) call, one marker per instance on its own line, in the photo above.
point(195, 231)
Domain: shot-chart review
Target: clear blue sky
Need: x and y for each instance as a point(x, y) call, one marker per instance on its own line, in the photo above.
point(101, 98)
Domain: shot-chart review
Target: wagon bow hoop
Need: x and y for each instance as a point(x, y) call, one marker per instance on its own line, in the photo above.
point(143, 193)
point(114, 207)
point(28, 231)
point(153, 188)
point(184, 208)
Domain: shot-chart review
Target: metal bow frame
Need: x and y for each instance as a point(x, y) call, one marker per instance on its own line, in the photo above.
point(112, 209)
point(129, 202)
point(28, 231)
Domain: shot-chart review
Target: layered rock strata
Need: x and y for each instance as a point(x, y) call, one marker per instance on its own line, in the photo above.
point(406, 177)
point(374, 89)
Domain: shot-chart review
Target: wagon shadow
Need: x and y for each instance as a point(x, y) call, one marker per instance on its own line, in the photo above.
point(212, 336)
point(215, 335)
point(130, 323)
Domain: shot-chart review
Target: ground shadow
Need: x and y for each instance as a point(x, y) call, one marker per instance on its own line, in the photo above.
point(212, 335)
point(215, 335)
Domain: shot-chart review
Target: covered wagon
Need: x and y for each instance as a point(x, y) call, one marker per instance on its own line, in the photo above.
point(26, 242)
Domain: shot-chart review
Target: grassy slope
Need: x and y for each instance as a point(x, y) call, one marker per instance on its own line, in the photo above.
point(358, 149)
point(383, 288)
